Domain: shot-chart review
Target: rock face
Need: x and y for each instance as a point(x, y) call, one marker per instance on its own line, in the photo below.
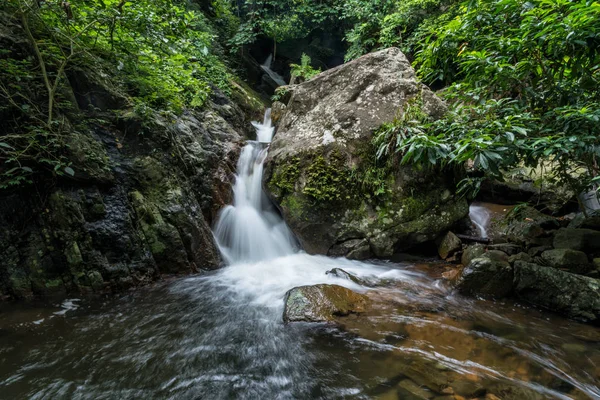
point(322, 173)
point(140, 203)
point(144, 213)
point(569, 294)
point(320, 303)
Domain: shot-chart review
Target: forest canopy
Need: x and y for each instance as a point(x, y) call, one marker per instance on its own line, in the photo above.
point(521, 77)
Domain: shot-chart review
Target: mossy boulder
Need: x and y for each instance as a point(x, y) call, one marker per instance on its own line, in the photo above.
point(586, 240)
point(487, 277)
point(322, 170)
point(572, 295)
point(321, 303)
point(472, 252)
point(568, 259)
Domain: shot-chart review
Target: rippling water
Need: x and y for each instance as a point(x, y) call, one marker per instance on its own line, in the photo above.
point(220, 336)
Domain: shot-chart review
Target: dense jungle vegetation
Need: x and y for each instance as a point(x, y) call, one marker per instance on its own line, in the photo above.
point(521, 77)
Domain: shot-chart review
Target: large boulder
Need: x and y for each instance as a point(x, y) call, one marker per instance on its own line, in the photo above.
point(322, 170)
point(573, 295)
point(320, 303)
point(572, 260)
point(529, 227)
point(486, 276)
point(586, 240)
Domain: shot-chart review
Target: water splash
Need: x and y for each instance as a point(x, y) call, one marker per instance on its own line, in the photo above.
point(250, 229)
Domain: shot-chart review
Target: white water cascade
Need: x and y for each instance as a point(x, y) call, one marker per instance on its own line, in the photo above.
point(480, 216)
point(266, 66)
point(250, 230)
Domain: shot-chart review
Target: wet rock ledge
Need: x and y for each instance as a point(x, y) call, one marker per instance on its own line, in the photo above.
point(547, 262)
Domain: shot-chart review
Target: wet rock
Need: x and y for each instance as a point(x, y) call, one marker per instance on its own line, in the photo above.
point(471, 252)
point(519, 257)
point(408, 389)
point(532, 187)
point(496, 255)
point(277, 110)
point(324, 145)
point(572, 295)
point(591, 222)
point(572, 260)
point(486, 277)
point(449, 245)
point(340, 273)
point(529, 227)
point(538, 250)
point(353, 249)
point(320, 303)
point(586, 240)
point(508, 248)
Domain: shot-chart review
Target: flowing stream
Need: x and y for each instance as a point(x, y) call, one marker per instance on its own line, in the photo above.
point(220, 335)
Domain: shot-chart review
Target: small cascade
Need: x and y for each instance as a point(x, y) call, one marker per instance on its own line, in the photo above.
point(250, 229)
point(266, 66)
point(480, 216)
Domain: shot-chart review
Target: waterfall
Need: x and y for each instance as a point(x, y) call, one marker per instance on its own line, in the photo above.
point(250, 229)
point(480, 216)
point(266, 66)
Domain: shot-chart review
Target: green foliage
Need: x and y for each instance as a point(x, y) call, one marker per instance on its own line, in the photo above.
point(283, 19)
point(304, 70)
point(523, 79)
point(160, 55)
point(327, 180)
point(383, 24)
point(280, 93)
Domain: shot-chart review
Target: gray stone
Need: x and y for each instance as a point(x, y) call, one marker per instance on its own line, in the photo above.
point(449, 245)
point(519, 257)
point(496, 255)
point(322, 152)
point(508, 248)
point(591, 222)
point(586, 240)
point(573, 260)
point(471, 252)
point(529, 227)
point(572, 295)
point(340, 273)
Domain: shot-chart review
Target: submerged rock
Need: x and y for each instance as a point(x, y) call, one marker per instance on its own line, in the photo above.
point(340, 273)
point(573, 295)
point(320, 303)
point(321, 168)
